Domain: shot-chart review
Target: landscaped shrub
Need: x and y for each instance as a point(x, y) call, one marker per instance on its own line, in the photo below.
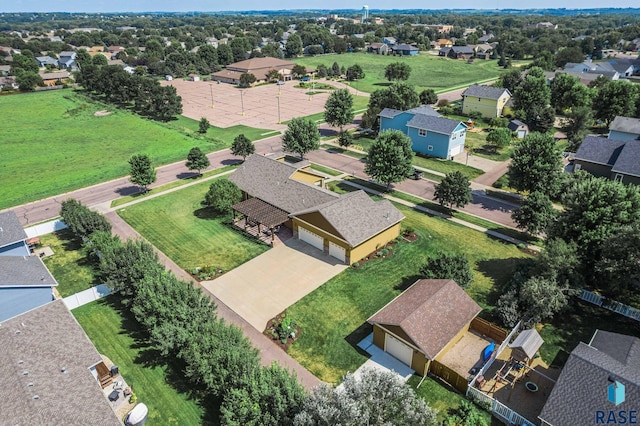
point(455, 267)
point(82, 221)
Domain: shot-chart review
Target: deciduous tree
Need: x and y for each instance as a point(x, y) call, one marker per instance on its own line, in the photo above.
point(455, 267)
point(535, 213)
point(454, 189)
point(399, 95)
point(293, 48)
point(615, 97)
point(203, 125)
point(222, 195)
point(499, 138)
point(428, 97)
point(576, 127)
point(397, 71)
point(242, 146)
point(390, 158)
point(338, 110)
point(197, 160)
point(247, 79)
point(355, 72)
point(142, 172)
point(536, 165)
point(81, 220)
point(301, 136)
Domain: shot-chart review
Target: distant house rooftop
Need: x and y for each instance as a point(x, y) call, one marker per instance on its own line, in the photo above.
point(25, 271)
point(11, 230)
point(485, 92)
point(626, 125)
point(622, 156)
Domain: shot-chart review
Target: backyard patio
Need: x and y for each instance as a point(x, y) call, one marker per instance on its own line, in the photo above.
point(465, 357)
point(279, 235)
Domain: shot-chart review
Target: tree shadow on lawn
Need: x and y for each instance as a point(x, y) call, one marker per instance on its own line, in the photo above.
point(385, 84)
point(357, 335)
point(500, 272)
point(407, 282)
point(209, 213)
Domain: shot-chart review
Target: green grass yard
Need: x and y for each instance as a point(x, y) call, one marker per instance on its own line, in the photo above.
point(54, 143)
point(121, 340)
point(190, 234)
point(68, 265)
point(427, 71)
point(333, 317)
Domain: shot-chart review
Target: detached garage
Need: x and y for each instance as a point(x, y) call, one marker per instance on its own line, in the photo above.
point(423, 322)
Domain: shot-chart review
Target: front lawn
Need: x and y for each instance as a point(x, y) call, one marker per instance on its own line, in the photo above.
point(68, 265)
point(53, 143)
point(333, 317)
point(190, 234)
point(427, 71)
point(121, 340)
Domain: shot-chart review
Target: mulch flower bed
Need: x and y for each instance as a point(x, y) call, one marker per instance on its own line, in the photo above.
point(410, 237)
point(385, 251)
point(272, 331)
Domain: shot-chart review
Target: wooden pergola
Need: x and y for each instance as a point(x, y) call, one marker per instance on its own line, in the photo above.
point(261, 213)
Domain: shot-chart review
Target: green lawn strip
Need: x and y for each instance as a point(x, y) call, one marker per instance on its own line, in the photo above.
point(342, 151)
point(326, 170)
point(511, 197)
point(120, 339)
point(68, 265)
point(54, 144)
point(359, 105)
point(440, 396)
point(224, 134)
point(425, 68)
point(190, 234)
point(333, 317)
point(446, 166)
point(176, 183)
point(577, 324)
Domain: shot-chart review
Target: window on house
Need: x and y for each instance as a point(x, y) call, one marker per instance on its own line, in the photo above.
point(430, 148)
point(422, 132)
point(577, 167)
point(618, 177)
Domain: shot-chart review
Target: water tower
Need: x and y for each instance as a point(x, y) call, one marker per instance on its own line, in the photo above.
point(365, 13)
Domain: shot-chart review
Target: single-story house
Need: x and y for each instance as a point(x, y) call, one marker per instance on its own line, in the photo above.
point(624, 128)
point(379, 48)
point(405, 49)
point(67, 60)
point(599, 382)
point(54, 78)
point(424, 322)
point(389, 41)
point(114, 50)
point(444, 52)
point(43, 61)
point(487, 100)
point(461, 52)
point(347, 227)
point(519, 128)
point(49, 371)
point(259, 67)
point(430, 133)
point(444, 42)
point(610, 158)
point(485, 38)
point(5, 70)
point(8, 82)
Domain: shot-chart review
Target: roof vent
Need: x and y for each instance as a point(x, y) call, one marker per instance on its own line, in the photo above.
point(18, 332)
point(23, 324)
point(63, 370)
point(30, 384)
point(20, 362)
point(36, 397)
point(25, 373)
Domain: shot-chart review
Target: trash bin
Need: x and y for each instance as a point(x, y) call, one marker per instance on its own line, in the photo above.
point(114, 370)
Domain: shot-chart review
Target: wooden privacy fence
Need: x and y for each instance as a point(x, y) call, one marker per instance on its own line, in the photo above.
point(448, 375)
point(488, 329)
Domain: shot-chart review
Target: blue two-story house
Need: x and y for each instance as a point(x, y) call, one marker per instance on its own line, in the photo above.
point(25, 282)
point(430, 133)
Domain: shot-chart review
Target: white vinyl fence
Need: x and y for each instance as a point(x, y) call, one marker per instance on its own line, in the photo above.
point(45, 228)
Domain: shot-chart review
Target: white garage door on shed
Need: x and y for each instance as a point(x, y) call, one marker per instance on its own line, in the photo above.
point(456, 150)
point(309, 237)
point(337, 251)
point(398, 349)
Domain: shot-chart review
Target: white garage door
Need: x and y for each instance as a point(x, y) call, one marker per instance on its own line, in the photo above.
point(309, 237)
point(398, 349)
point(455, 150)
point(337, 251)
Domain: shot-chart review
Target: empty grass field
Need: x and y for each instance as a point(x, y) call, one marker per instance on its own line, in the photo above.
point(333, 317)
point(121, 340)
point(427, 71)
point(189, 233)
point(53, 143)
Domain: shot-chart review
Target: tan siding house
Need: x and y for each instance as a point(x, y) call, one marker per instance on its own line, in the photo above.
point(488, 101)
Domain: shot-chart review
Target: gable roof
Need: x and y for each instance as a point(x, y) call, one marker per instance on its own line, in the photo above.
point(433, 124)
point(430, 312)
point(41, 342)
point(270, 180)
point(25, 271)
point(10, 229)
point(463, 49)
point(486, 92)
point(528, 341)
point(260, 63)
point(356, 216)
point(628, 161)
point(404, 46)
point(626, 125)
point(582, 385)
point(515, 125)
point(595, 149)
point(389, 113)
point(424, 109)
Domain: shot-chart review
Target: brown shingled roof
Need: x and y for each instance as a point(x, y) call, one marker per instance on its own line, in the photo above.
point(430, 312)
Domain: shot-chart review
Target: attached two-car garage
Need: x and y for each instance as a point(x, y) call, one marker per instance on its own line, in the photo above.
point(317, 241)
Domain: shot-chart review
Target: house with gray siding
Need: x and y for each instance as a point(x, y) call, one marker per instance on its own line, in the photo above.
point(624, 128)
point(614, 159)
point(430, 133)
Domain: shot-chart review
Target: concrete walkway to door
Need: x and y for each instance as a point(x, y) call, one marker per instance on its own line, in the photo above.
point(266, 285)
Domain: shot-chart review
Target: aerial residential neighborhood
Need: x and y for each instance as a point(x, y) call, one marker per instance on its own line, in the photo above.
point(325, 216)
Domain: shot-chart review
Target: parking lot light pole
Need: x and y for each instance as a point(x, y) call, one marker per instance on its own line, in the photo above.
point(242, 100)
point(211, 87)
point(279, 121)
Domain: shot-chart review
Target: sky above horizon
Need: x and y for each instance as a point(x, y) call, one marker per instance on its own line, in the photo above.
point(110, 6)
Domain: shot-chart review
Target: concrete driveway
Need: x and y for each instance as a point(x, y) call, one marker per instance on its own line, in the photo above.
point(263, 287)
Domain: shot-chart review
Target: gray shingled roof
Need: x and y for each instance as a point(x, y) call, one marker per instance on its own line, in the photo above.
point(389, 113)
point(40, 343)
point(425, 110)
point(528, 341)
point(433, 124)
point(628, 161)
point(582, 386)
point(25, 271)
point(10, 229)
point(356, 217)
point(486, 92)
point(626, 125)
point(515, 124)
point(463, 50)
point(268, 179)
point(430, 312)
point(404, 46)
point(599, 150)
